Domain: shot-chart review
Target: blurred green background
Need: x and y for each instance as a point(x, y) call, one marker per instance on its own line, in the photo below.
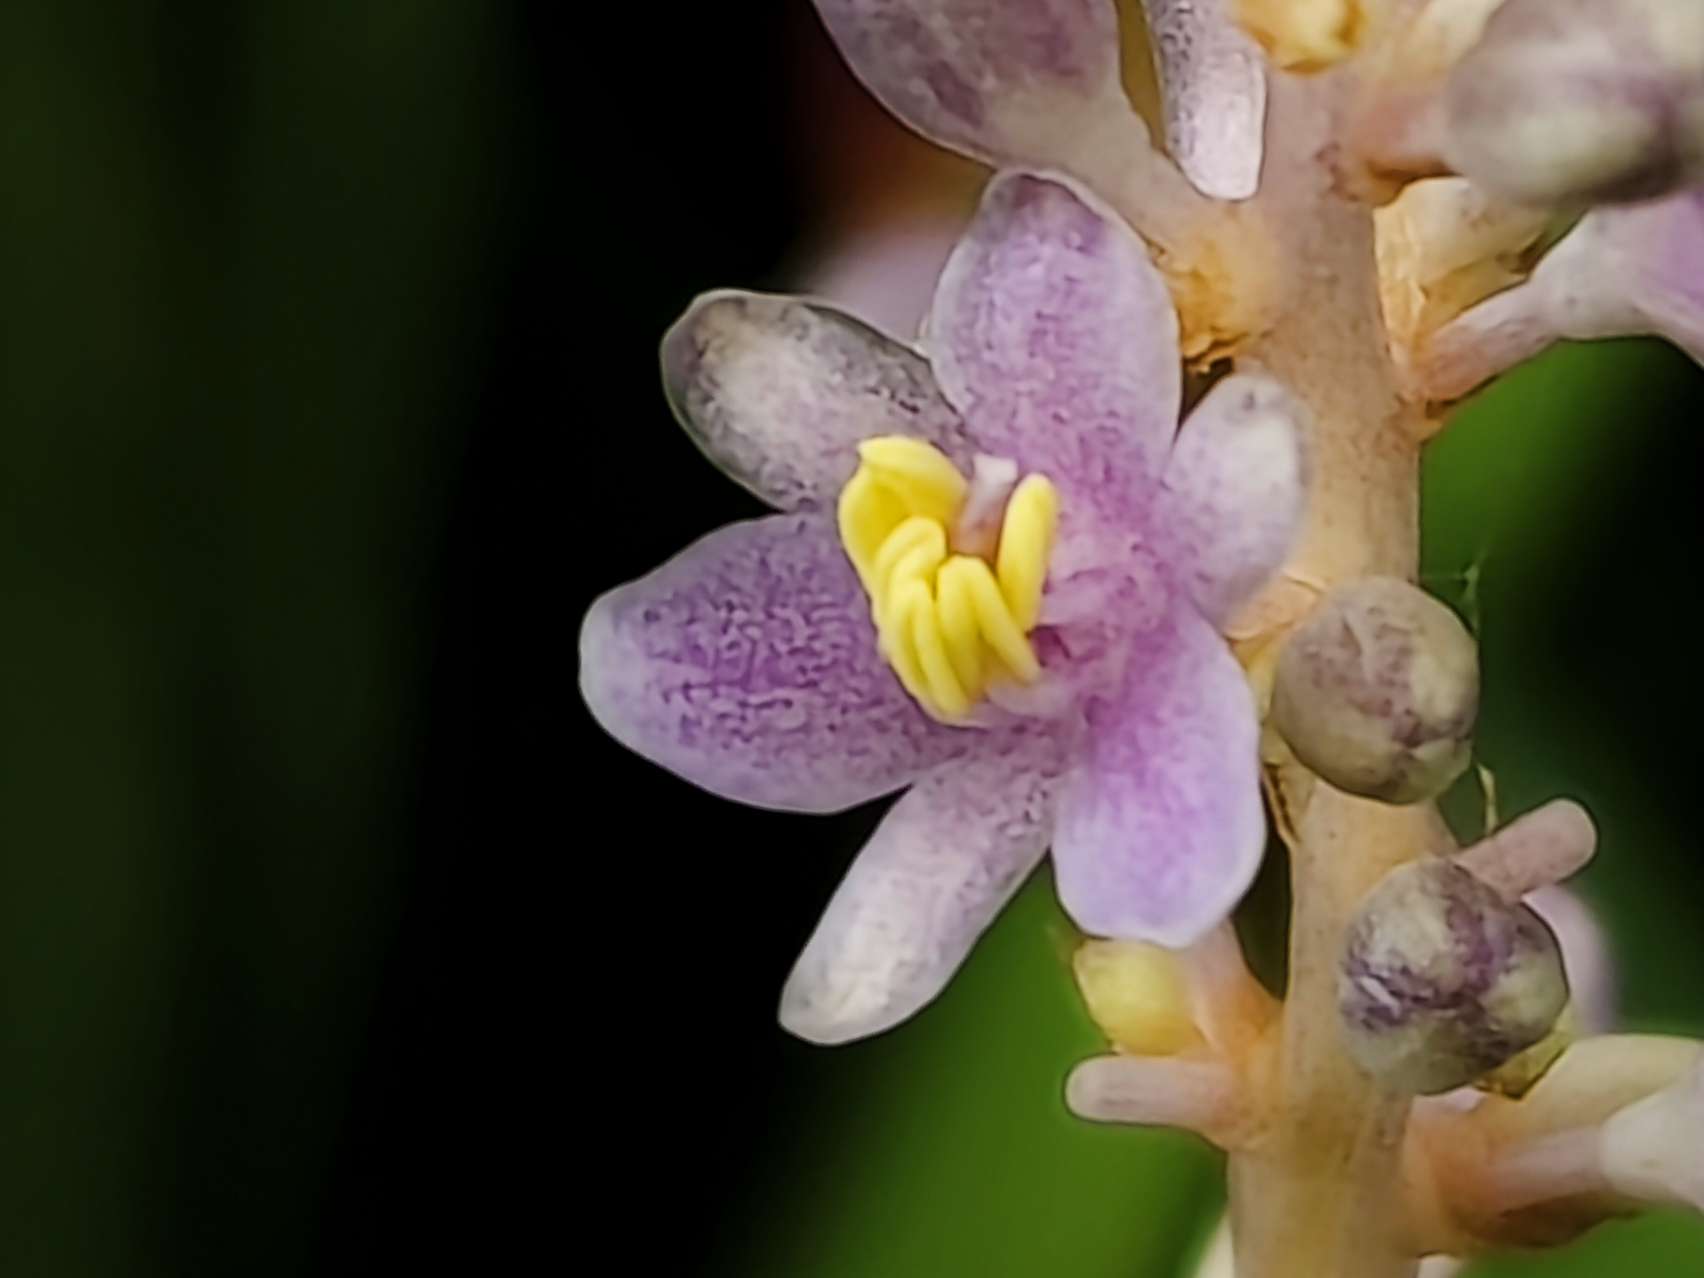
point(324, 945)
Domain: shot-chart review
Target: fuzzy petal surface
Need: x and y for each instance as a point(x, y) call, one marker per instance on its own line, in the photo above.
point(778, 392)
point(937, 871)
point(747, 664)
point(1160, 827)
point(1235, 492)
point(1213, 91)
point(1004, 82)
point(1055, 338)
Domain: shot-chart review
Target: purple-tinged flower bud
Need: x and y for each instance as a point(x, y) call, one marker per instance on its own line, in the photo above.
point(1378, 690)
point(1581, 101)
point(1442, 980)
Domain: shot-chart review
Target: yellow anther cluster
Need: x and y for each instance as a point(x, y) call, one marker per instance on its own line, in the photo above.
point(1138, 995)
point(950, 624)
point(1304, 35)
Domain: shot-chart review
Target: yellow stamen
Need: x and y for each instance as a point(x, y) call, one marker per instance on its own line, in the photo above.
point(868, 513)
point(959, 630)
point(947, 623)
point(898, 640)
point(916, 533)
point(1000, 631)
point(917, 474)
point(945, 691)
point(1026, 542)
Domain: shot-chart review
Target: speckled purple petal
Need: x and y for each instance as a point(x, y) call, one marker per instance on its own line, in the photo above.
point(747, 664)
point(778, 392)
point(1055, 338)
point(1585, 955)
point(1027, 82)
point(1213, 89)
point(1235, 492)
point(939, 868)
point(1160, 827)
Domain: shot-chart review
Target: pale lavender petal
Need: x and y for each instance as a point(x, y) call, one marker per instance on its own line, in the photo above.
point(1235, 492)
point(1054, 336)
point(778, 392)
point(1585, 955)
point(931, 879)
point(747, 664)
point(886, 276)
point(1027, 82)
point(1160, 827)
point(1632, 271)
point(1213, 89)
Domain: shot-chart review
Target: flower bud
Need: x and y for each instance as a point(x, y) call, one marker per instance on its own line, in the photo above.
point(1593, 101)
point(1377, 692)
point(1136, 993)
point(1442, 980)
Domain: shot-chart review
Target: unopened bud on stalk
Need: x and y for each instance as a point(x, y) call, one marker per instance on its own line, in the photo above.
point(1377, 692)
point(1137, 994)
point(1442, 980)
point(1581, 101)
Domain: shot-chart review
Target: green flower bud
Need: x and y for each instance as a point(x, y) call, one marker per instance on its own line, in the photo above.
point(1378, 690)
point(1442, 980)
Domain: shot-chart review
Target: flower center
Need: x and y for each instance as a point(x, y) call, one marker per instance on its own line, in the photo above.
point(953, 609)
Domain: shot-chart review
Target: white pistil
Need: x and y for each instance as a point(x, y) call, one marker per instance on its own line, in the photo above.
point(976, 531)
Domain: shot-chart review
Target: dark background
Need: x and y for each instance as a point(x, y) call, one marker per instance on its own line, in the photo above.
point(333, 935)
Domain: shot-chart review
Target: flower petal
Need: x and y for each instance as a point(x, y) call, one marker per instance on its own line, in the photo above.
point(1585, 955)
point(1235, 492)
point(1632, 271)
point(778, 392)
point(938, 869)
point(1003, 82)
point(1160, 827)
point(886, 275)
point(1055, 338)
point(747, 664)
point(1213, 89)
point(1625, 271)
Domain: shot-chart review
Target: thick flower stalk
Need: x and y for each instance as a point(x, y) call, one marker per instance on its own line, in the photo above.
point(1012, 580)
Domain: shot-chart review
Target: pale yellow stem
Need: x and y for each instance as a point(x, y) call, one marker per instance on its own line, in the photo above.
point(1317, 1192)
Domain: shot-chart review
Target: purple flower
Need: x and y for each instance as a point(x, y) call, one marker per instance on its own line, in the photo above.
point(749, 663)
point(1036, 84)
